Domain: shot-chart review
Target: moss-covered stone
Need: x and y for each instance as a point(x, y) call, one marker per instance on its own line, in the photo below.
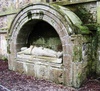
point(92, 26)
point(84, 15)
point(68, 2)
point(77, 54)
point(83, 29)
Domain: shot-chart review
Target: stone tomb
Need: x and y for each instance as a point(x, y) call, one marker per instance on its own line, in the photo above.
point(56, 28)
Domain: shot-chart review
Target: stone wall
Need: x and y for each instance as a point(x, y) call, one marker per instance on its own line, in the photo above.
point(86, 11)
point(12, 6)
point(5, 22)
point(3, 45)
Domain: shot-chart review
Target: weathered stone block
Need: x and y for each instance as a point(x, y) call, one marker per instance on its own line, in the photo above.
point(77, 71)
point(67, 60)
point(19, 67)
point(68, 76)
point(77, 53)
point(29, 69)
point(41, 71)
point(56, 75)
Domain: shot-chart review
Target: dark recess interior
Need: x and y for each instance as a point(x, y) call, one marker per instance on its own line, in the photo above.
point(39, 33)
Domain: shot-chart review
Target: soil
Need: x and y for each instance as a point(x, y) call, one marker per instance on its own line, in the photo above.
point(14, 81)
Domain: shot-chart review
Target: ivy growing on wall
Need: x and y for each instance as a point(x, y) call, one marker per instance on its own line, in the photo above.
point(85, 15)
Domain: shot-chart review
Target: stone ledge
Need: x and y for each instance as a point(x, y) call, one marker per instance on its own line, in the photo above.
point(40, 62)
point(69, 2)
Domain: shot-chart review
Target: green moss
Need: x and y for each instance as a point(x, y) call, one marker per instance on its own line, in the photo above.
point(4, 58)
point(60, 2)
point(85, 15)
point(83, 29)
point(77, 54)
point(91, 69)
point(79, 79)
point(92, 26)
point(8, 50)
point(56, 6)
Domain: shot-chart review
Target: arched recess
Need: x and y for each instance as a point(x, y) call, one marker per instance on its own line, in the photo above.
point(60, 19)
